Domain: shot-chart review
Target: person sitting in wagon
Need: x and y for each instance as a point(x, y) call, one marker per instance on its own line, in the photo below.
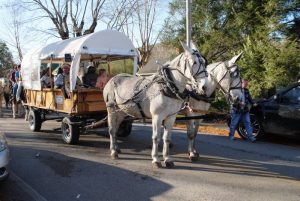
point(102, 79)
point(59, 79)
point(90, 77)
point(63, 80)
point(46, 79)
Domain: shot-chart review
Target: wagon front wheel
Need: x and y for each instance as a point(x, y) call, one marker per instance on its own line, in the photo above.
point(34, 120)
point(70, 131)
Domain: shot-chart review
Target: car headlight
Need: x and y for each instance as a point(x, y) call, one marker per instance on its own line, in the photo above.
point(3, 143)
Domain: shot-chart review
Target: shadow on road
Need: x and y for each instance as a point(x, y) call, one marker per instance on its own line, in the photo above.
point(57, 176)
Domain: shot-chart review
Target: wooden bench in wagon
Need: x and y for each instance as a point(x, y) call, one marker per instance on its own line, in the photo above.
point(82, 106)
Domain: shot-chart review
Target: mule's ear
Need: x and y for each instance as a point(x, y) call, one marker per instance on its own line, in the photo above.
point(185, 47)
point(193, 46)
point(236, 58)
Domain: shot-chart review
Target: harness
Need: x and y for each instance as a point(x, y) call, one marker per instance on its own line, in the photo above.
point(167, 83)
point(168, 86)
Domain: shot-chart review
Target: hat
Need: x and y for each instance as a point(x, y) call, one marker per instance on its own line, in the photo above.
point(66, 66)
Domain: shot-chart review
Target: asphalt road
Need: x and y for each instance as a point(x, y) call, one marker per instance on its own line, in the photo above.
point(44, 168)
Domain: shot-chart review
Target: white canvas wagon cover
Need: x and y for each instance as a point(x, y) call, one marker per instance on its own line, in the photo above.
point(107, 42)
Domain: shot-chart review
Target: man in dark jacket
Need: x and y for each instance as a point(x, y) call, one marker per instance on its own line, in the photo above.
point(240, 111)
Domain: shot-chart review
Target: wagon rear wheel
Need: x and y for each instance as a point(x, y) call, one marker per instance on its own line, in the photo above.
point(34, 120)
point(70, 131)
point(125, 129)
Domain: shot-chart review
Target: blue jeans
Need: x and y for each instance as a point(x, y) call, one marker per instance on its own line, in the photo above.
point(236, 116)
point(15, 88)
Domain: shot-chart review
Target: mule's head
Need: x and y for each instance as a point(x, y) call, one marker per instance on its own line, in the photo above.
point(234, 79)
point(195, 68)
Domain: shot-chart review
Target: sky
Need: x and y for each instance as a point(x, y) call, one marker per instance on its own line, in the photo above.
point(31, 39)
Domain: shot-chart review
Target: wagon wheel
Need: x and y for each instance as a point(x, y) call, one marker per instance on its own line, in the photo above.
point(125, 129)
point(34, 120)
point(70, 131)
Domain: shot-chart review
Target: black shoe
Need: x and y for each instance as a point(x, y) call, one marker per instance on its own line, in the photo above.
point(252, 139)
point(231, 138)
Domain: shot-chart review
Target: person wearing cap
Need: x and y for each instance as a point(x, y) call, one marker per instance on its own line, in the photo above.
point(63, 80)
point(240, 111)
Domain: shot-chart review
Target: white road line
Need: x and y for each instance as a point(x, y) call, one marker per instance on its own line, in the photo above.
point(27, 188)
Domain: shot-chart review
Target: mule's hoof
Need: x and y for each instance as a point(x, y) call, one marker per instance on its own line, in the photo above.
point(194, 157)
point(119, 151)
point(169, 164)
point(156, 165)
point(114, 156)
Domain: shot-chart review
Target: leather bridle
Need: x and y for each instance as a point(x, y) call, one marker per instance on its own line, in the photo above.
point(226, 92)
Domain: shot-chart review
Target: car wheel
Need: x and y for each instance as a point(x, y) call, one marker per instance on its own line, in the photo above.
point(34, 120)
point(70, 131)
point(256, 126)
point(124, 129)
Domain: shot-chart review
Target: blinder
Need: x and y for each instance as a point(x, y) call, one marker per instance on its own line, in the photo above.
point(203, 62)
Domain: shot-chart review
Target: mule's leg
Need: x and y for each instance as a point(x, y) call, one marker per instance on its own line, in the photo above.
point(26, 113)
point(113, 125)
point(156, 135)
point(192, 130)
point(111, 117)
point(6, 97)
point(15, 110)
point(168, 125)
point(120, 117)
point(21, 110)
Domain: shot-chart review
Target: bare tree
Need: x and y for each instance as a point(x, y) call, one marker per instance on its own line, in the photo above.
point(140, 27)
point(146, 16)
point(64, 13)
point(123, 10)
point(13, 27)
point(82, 16)
point(78, 17)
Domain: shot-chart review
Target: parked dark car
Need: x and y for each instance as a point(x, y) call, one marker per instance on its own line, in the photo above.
point(279, 114)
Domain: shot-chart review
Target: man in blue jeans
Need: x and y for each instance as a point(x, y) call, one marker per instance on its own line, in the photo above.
point(240, 111)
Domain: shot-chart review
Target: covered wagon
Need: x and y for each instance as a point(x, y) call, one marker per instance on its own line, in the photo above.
point(109, 50)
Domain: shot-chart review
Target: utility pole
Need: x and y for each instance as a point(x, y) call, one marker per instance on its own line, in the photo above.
point(188, 22)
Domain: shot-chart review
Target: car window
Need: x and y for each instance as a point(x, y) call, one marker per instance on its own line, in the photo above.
point(292, 96)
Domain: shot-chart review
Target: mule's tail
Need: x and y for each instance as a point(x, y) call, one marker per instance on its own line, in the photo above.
point(109, 94)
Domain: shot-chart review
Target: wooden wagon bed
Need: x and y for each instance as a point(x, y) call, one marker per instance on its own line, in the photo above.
point(81, 101)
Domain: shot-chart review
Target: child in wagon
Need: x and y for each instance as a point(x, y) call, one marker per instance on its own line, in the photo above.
point(102, 79)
